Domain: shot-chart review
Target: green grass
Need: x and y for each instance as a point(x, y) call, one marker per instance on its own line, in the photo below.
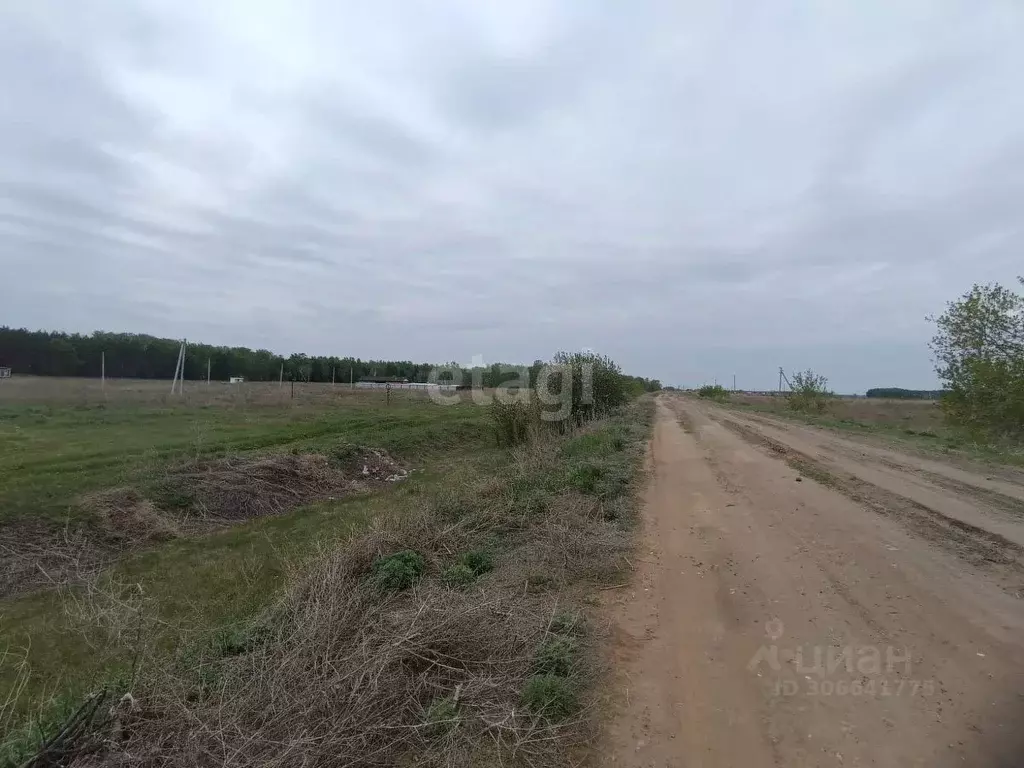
point(51, 455)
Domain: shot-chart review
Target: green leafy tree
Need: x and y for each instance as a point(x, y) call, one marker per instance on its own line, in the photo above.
point(979, 356)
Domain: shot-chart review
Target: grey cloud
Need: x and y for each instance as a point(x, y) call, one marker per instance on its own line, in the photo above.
point(696, 192)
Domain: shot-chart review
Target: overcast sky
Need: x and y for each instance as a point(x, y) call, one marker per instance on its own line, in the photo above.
point(695, 188)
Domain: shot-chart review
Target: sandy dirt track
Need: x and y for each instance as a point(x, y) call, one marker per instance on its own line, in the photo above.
point(805, 599)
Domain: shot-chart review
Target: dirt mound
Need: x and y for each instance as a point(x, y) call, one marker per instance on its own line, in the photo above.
point(244, 487)
point(126, 517)
point(191, 499)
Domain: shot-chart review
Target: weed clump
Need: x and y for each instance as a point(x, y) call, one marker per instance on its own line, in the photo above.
point(398, 571)
point(442, 716)
point(550, 696)
point(556, 656)
point(585, 477)
point(470, 566)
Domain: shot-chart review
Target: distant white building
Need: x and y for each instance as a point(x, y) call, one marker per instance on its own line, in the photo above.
point(236, 380)
point(5, 372)
point(397, 382)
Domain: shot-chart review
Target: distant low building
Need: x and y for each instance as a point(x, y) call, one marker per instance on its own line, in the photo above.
point(5, 372)
point(398, 382)
point(236, 380)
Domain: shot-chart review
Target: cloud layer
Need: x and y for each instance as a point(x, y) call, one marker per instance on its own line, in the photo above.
point(697, 189)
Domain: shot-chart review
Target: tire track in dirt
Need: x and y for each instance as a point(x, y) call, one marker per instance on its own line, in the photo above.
point(996, 487)
point(974, 545)
point(994, 499)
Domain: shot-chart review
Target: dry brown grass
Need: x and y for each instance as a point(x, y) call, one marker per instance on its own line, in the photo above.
point(34, 555)
point(918, 415)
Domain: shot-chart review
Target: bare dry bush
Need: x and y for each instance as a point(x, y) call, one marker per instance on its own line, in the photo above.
point(34, 554)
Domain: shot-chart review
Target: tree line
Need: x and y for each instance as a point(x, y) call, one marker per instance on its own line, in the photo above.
point(140, 356)
point(898, 393)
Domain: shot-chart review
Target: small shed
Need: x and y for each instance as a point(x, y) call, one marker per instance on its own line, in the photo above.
point(236, 380)
point(5, 372)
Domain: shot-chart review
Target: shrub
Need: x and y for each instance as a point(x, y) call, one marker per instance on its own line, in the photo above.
point(550, 696)
point(514, 422)
point(398, 571)
point(479, 561)
point(714, 392)
point(809, 392)
point(592, 384)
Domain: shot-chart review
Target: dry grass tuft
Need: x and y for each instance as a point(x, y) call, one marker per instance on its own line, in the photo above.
point(34, 555)
point(125, 517)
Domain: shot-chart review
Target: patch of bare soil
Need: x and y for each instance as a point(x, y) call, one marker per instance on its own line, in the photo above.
point(801, 603)
point(193, 498)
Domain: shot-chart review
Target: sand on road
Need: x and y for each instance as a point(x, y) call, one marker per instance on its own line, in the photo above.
point(804, 599)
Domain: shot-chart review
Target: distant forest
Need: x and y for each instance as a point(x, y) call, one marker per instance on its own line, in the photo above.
point(138, 356)
point(897, 393)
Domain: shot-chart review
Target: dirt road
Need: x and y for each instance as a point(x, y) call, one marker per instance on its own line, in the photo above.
point(803, 599)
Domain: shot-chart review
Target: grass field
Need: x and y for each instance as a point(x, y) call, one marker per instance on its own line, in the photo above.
point(63, 641)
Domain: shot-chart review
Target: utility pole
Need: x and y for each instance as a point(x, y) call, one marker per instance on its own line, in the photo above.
point(280, 382)
point(351, 377)
point(332, 375)
point(208, 366)
point(181, 379)
point(179, 370)
point(780, 379)
point(734, 382)
point(177, 367)
point(103, 371)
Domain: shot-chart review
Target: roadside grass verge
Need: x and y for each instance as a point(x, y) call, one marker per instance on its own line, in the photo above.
point(927, 436)
point(340, 629)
